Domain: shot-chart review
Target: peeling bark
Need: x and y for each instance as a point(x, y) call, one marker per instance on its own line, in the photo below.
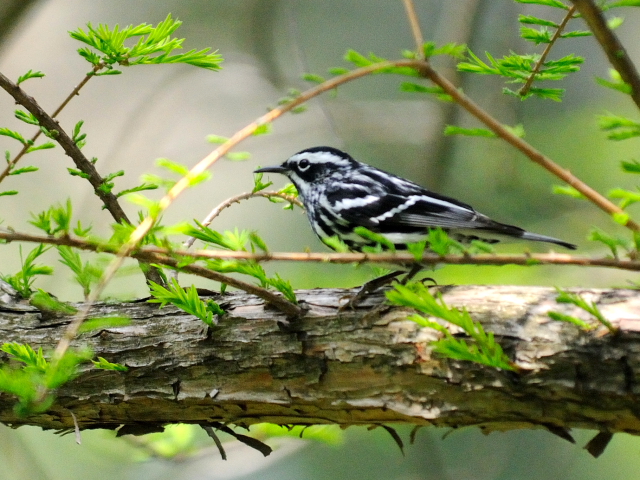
point(355, 367)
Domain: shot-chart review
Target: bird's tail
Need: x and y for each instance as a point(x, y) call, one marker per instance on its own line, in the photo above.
point(534, 237)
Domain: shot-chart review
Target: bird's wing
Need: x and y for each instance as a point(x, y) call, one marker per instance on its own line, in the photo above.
point(399, 213)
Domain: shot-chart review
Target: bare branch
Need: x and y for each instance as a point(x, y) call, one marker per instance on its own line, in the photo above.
point(412, 16)
point(613, 48)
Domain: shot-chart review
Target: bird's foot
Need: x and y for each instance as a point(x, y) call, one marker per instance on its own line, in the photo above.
point(377, 283)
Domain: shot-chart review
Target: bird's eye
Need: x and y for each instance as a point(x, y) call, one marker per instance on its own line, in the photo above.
point(304, 165)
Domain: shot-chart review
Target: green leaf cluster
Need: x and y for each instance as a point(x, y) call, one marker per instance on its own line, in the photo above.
point(35, 375)
point(485, 350)
point(186, 299)
point(23, 280)
point(518, 68)
point(590, 307)
point(154, 46)
point(240, 240)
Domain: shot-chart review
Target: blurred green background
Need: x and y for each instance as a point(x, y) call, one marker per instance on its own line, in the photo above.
point(167, 111)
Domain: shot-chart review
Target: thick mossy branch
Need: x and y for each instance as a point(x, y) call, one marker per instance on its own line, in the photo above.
point(354, 367)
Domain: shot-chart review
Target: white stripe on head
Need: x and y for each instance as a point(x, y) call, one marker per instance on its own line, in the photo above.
point(320, 158)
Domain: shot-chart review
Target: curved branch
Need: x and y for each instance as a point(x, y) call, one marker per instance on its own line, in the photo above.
point(613, 48)
point(237, 199)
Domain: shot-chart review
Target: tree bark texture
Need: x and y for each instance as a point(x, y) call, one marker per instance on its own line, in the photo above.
point(352, 367)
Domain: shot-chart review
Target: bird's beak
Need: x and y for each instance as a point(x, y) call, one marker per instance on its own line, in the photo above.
point(274, 169)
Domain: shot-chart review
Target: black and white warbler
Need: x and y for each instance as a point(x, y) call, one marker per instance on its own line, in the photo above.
point(340, 194)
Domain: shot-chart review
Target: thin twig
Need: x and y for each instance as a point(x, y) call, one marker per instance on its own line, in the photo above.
point(536, 69)
point(173, 257)
point(415, 27)
point(237, 199)
point(57, 111)
point(613, 48)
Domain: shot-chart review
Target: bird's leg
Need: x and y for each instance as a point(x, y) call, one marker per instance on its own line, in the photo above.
point(370, 287)
point(379, 282)
point(412, 273)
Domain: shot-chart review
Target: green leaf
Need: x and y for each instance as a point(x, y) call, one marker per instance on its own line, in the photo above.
point(567, 190)
point(43, 146)
point(589, 307)
point(631, 167)
point(417, 88)
point(186, 300)
point(336, 244)
point(628, 197)
point(106, 365)
point(543, 35)
point(615, 82)
point(284, 287)
point(258, 184)
point(548, 3)
point(529, 20)
point(103, 323)
point(257, 241)
point(13, 134)
point(238, 156)
point(56, 220)
point(26, 354)
point(469, 132)
point(23, 280)
point(619, 128)
point(140, 188)
point(85, 274)
point(441, 244)
point(18, 171)
point(597, 235)
point(216, 139)
point(312, 77)
point(576, 33)
point(374, 237)
point(231, 240)
point(47, 303)
point(263, 129)
point(28, 75)
point(26, 117)
point(417, 249)
point(8, 193)
point(338, 71)
point(561, 317)
point(455, 50)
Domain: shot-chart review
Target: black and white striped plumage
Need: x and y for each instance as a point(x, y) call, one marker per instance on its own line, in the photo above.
point(340, 193)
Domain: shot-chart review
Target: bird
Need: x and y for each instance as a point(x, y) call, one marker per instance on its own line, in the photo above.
point(340, 193)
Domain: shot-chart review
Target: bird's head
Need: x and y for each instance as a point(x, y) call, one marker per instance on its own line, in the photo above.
point(313, 166)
